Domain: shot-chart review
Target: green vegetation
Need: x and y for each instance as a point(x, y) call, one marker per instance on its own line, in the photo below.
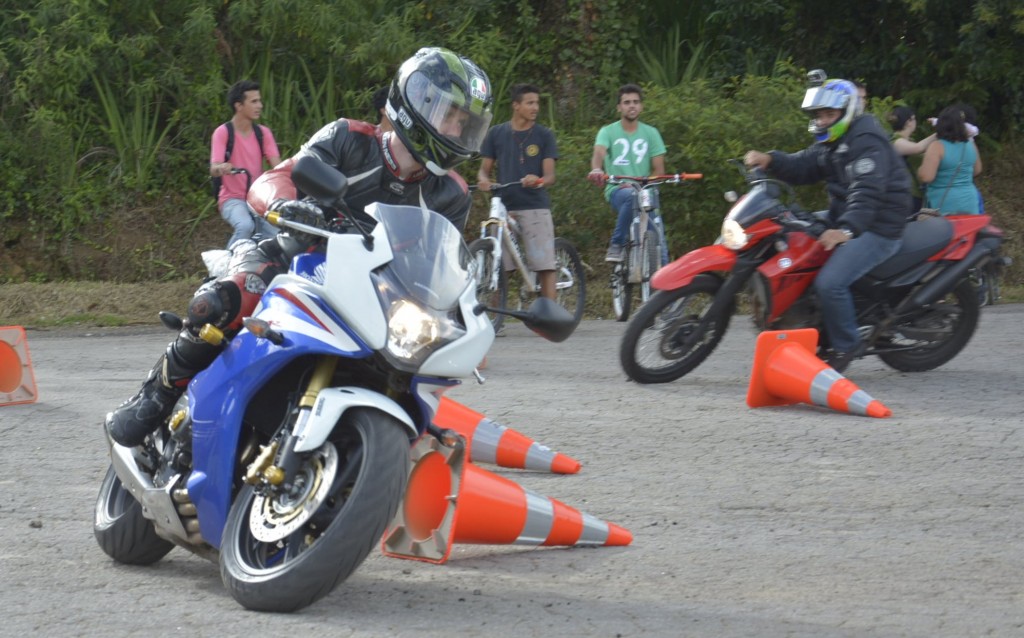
point(107, 106)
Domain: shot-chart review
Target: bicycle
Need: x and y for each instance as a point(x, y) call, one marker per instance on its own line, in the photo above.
point(643, 252)
point(499, 234)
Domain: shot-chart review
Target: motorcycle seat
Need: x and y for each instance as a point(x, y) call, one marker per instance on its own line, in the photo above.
point(921, 240)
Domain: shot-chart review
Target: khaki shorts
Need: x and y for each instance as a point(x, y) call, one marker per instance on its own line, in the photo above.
point(536, 239)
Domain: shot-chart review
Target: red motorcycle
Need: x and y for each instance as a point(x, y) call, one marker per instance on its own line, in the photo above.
point(916, 310)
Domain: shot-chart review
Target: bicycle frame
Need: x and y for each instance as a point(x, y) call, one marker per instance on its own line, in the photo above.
point(504, 238)
point(639, 263)
point(499, 241)
point(645, 200)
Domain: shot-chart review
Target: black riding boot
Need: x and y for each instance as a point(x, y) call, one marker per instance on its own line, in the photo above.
point(134, 419)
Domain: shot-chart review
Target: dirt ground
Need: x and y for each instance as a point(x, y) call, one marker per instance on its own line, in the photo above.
point(794, 521)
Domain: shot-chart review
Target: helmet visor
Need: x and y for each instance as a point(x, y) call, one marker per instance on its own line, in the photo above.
point(824, 97)
point(450, 112)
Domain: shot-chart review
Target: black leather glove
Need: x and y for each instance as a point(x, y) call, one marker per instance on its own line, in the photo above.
point(299, 211)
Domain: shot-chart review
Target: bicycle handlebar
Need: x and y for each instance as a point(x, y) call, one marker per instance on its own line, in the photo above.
point(498, 187)
point(644, 180)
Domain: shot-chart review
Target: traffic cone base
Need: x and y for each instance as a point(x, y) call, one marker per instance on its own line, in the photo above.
point(491, 442)
point(450, 500)
point(17, 382)
point(786, 371)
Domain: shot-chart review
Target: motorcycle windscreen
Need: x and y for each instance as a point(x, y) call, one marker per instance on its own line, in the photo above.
point(431, 262)
point(760, 203)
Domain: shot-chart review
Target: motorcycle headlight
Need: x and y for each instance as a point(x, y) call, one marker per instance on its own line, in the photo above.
point(733, 235)
point(410, 329)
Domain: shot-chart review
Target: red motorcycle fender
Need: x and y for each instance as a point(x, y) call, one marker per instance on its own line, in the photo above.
point(965, 233)
point(681, 272)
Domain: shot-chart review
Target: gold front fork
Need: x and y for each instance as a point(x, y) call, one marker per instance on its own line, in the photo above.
point(322, 376)
point(261, 468)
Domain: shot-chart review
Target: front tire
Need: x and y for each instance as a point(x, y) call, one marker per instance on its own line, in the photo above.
point(622, 290)
point(120, 528)
point(663, 341)
point(372, 454)
point(482, 252)
point(652, 261)
point(955, 317)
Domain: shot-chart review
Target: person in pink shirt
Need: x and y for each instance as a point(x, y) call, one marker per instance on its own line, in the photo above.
point(245, 163)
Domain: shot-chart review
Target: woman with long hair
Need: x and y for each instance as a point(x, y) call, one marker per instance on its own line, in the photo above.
point(949, 167)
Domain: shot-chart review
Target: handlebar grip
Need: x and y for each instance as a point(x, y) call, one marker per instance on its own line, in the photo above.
point(498, 187)
point(691, 175)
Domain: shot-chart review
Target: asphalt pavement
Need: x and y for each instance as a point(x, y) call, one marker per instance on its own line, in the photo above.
point(781, 521)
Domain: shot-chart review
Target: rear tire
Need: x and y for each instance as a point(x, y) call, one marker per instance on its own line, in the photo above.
point(120, 528)
point(306, 564)
point(955, 315)
point(482, 251)
point(661, 343)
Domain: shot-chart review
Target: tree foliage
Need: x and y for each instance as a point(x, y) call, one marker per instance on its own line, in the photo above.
point(106, 106)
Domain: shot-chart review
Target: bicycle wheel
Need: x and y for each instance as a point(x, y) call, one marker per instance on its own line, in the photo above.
point(622, 290)
point(482, 251)
point(651, 263)
point(570, 282)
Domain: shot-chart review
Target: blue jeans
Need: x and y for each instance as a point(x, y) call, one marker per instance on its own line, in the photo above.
point(244, 222)
point(849, 262)
point(622, 203)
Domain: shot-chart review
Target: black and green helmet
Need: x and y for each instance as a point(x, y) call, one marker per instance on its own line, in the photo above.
point(440, 107)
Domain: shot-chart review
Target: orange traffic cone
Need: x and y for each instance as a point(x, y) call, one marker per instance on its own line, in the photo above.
point(450, 500)
point(17, 383)
point(786, 371)
point(491, 442)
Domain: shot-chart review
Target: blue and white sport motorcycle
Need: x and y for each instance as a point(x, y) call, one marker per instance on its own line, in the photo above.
point(289, 455)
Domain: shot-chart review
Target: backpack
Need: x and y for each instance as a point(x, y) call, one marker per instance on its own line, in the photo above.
point(215, 182)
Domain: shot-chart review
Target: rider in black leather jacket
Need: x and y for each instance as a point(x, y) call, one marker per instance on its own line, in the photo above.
point(438, 112)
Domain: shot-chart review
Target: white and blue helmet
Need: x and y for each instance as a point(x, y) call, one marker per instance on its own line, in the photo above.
point(832, 94)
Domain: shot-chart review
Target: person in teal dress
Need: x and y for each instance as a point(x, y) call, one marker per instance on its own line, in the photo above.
point(949, 167)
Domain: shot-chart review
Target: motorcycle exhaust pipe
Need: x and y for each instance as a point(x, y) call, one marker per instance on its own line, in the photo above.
point(157, 502)
point(947, 279)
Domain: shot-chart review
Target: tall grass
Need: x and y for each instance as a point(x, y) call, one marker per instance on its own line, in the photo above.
point(299, 102)
point(136, 136)
point(662, 60)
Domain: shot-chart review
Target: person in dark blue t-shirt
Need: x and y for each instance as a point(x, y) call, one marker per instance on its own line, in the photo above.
point(525, 152)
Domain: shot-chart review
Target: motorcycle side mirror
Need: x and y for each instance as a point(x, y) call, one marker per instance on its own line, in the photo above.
point(324, 183)
point(327, 185)
point(544, 316)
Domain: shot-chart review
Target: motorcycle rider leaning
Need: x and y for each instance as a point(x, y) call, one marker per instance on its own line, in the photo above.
point(438, 112)
point(869, 201)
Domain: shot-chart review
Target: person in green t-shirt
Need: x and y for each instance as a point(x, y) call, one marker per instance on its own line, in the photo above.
point(627, 147)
